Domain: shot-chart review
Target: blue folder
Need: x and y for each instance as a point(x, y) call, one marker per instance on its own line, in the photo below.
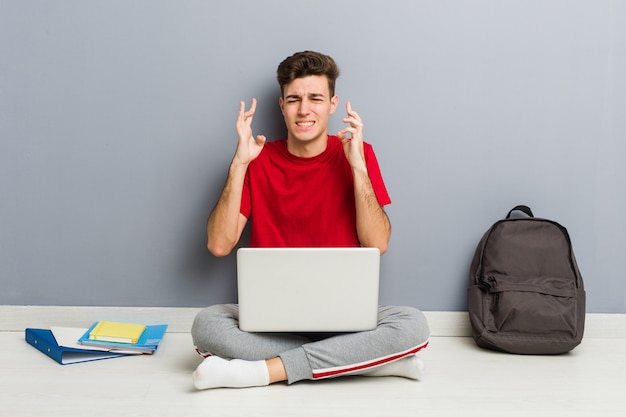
point(44, 341)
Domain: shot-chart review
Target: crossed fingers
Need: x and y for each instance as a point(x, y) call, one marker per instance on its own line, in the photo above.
point(355, 128)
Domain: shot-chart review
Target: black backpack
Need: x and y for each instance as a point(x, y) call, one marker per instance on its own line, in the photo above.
point(526, 293)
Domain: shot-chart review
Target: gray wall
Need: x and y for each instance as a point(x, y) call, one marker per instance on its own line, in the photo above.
point(117, 127)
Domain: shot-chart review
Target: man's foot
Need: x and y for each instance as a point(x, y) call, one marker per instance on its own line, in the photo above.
point(410, 367)
point(215, 372)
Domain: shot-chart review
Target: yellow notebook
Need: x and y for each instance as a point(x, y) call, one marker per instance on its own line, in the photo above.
point(110, 331)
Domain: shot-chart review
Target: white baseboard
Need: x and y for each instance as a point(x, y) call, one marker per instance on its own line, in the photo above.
point(179, 319)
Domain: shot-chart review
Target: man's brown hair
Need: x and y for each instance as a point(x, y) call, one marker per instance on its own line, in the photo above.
point(303, 64)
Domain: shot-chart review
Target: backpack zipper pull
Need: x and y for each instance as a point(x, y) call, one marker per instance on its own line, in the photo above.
point(484, 284)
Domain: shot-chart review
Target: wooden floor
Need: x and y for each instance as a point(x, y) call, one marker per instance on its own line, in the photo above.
point(460, 380)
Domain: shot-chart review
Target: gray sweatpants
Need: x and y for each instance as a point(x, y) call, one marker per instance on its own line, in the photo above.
point(401, 331)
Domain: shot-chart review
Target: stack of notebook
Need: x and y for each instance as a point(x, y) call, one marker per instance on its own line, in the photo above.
point(103, 340)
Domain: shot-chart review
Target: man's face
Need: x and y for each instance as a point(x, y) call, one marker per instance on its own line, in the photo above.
point(306, 105)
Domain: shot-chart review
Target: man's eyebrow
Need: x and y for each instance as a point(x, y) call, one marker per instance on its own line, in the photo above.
point(311, 95)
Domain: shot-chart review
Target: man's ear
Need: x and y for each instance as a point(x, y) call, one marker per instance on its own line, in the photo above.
point(334, 101)
point(281, 103)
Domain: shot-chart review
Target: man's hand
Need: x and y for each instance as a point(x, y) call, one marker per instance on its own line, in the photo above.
point(352, 139)
point(248, 147)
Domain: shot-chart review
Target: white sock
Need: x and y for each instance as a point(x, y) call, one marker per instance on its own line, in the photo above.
point(409, 367)
point(215, 372)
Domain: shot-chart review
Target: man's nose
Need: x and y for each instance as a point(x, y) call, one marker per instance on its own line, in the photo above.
point(304, 107)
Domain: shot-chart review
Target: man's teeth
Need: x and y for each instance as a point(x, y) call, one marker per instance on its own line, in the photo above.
point(305, 124)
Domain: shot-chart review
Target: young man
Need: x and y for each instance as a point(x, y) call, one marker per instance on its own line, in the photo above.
point(311, 189)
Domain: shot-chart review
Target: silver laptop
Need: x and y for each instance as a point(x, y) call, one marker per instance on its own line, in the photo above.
point(308, 289)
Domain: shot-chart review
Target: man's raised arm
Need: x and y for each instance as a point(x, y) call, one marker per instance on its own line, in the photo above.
point(226, 223)
point(372, 224)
